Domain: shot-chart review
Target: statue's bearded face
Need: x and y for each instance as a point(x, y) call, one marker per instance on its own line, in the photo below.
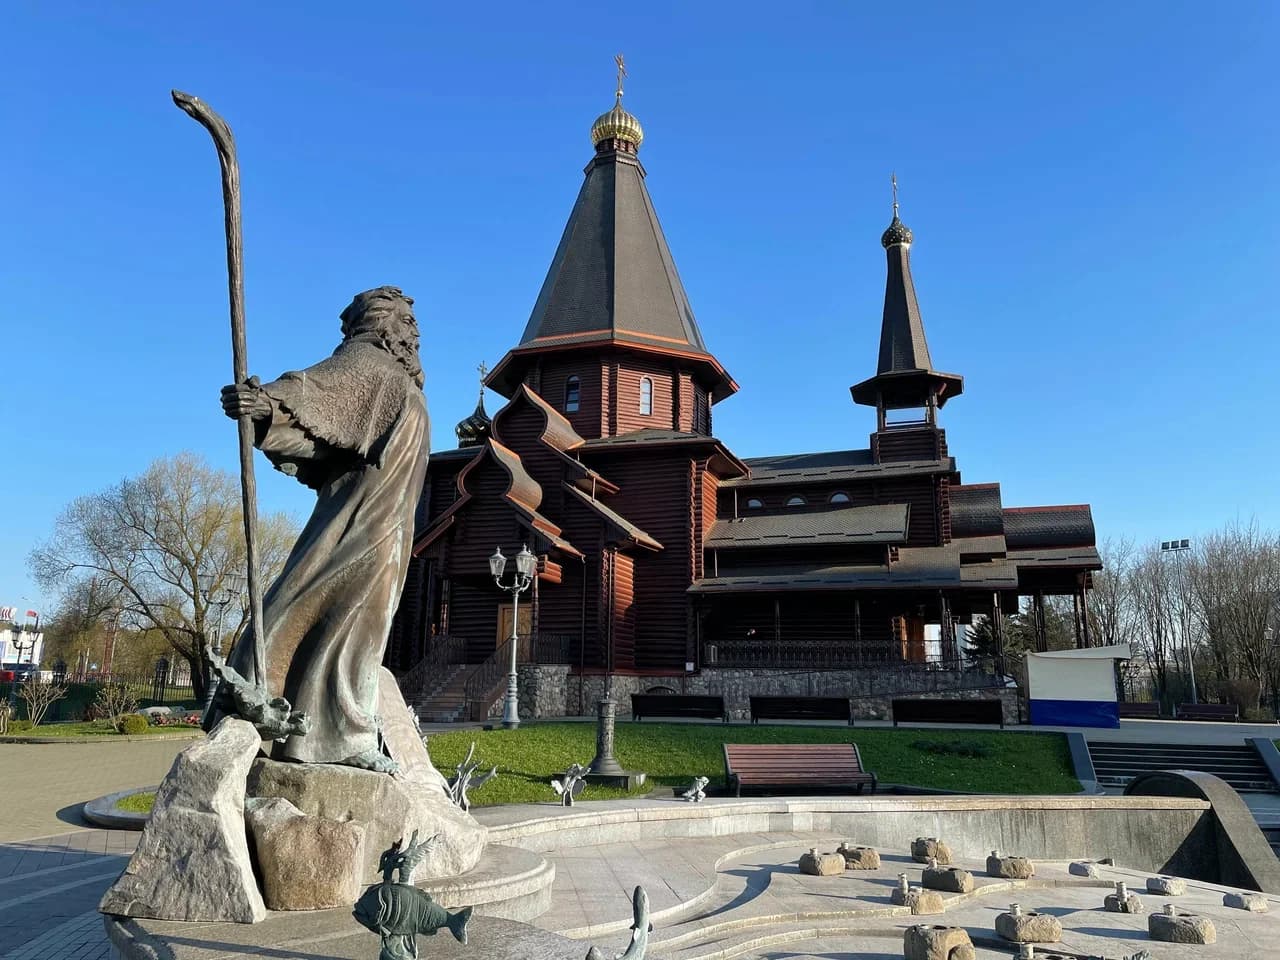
point(388, 314)
point(383, 310)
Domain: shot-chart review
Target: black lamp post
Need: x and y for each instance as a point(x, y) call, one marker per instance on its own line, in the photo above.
point(526, 565)
point(217, 592)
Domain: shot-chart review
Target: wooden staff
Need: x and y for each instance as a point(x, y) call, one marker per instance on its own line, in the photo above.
point(225, 143)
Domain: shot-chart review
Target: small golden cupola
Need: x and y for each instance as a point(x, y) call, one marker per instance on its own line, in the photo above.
point(617, 129)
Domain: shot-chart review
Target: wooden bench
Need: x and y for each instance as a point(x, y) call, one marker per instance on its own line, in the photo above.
point(801, 708)
point(790, 765)
point(677, 705)
point(948, 711)
point(1208, 711)
point(1139, 711)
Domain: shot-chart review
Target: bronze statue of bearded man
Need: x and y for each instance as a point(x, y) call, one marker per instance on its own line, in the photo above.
point(353, 428)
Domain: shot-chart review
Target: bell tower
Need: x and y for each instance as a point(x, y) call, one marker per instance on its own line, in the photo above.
point(905, 379)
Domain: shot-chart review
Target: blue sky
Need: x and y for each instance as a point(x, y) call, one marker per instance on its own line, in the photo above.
point(1092, 188)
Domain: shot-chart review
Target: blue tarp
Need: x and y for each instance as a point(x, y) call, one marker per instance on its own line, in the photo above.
point(1075, 713)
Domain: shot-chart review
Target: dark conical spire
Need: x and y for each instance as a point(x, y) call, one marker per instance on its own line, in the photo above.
point(904, 375)
point(613, 281)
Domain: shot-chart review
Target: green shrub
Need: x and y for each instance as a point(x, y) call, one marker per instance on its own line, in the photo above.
point(133, 724)
point(955, 748)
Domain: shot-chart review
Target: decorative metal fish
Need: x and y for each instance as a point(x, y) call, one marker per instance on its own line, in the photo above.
point(398, 912)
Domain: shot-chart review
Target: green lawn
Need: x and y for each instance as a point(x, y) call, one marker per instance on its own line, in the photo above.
point(87, 728)
point(137, 802)
point(1004, 762)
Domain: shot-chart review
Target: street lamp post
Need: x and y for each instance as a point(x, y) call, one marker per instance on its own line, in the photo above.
point(1178, 548)
point(526, 564)
point(230, 587)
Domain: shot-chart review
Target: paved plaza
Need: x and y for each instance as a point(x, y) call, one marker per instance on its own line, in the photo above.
point(739, 895)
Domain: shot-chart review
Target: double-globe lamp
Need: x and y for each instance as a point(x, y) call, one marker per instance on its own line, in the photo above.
point(526, 565)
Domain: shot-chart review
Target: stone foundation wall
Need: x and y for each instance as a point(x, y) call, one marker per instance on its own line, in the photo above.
point(551, 691)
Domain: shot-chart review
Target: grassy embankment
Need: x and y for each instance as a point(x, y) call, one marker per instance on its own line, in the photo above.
point(960, 760)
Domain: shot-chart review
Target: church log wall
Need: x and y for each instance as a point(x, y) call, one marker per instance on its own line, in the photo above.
point(655, 495)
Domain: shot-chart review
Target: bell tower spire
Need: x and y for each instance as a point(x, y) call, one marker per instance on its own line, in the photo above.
point(905, 377)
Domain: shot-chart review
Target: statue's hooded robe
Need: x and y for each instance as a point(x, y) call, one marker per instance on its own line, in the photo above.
point(354, 428)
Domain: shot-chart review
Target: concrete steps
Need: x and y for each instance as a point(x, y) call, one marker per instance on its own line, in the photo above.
point(1117, 763)
point(448, 704)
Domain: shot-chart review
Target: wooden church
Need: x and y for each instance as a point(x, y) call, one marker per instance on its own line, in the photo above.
point(665, 559)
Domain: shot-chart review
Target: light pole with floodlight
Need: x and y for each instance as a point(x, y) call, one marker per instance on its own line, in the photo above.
point(526, 565)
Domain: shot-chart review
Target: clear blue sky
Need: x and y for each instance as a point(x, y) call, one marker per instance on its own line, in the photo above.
point(1092, 187)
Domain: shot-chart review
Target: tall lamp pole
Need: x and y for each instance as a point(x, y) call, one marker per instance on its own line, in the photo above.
point(526, 564)
point(1178, 548)
point(218, 592)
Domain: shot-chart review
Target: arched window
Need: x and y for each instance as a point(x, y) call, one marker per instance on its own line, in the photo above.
point(839, 497)
point(755, 503)
point(796, 501)
point(571, 390)
point(646, 396)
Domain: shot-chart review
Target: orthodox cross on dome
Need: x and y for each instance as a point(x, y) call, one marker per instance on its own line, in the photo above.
point(622, 74)
point(482, 370)
point(893, 178)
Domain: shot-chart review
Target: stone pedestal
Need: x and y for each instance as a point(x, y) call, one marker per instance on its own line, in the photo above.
point(1031, 927)
point(924, 849)
point(937, 943)
point(306, 863)
point(921, 902)
point(1122, 901)
point(1174, 927)
point(388, 808)
point(1167, 886)
point(821, 864)
point(192, 862)
point(859, 858)
point(949, 879)
point(1253, 902)
point(1010, 868)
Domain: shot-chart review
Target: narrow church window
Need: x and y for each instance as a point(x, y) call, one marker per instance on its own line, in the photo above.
point(646, 396)
point(839, 497)
point(755, 503)
point(571, 390)
point(796, 501)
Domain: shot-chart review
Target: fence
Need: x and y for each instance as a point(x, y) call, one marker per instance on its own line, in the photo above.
point(168, 683)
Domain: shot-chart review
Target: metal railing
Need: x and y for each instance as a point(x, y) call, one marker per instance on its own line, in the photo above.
point(822, 655)
point(488, 677)
point(485, 678)
point(427, 675)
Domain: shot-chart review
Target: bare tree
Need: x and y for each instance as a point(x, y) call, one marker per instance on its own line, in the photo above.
point(1110, 607)
point(1234, 582)
point(166, 541)
point(1151, 594)
point(39, 696)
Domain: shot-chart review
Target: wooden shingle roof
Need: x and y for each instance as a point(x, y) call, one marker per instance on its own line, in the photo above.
point(881, 523)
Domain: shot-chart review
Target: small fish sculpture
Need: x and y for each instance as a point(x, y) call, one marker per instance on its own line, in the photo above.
point(398, 911)
point(697, 790)
point(640, 930)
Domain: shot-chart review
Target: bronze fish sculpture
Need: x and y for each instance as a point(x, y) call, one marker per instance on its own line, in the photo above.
point(398, 912)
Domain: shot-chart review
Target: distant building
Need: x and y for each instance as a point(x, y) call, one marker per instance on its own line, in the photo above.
point(664, 559)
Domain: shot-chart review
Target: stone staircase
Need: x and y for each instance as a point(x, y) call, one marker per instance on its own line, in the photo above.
point(448, 702)
point(1117, 763)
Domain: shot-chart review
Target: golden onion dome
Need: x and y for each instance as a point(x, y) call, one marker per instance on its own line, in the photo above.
point(617, 124)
